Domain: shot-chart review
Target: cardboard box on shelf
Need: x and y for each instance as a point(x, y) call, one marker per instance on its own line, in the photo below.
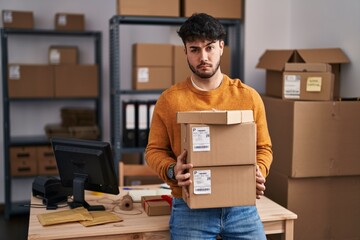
point(159, 8)
point(217, 8)
point(274, 62)
point(218, 138)
point(181, 68)
point(308, 81)
point(18, 19)
point(23, 161)
point(314, 138)
point(76, 80)
point(46, 161)
point(326, 206)
point(156, 205)
point(69, 22)
point(151, 73)
point(75, 116)
point(30, 81)
point(221, 186)
point(63, 55)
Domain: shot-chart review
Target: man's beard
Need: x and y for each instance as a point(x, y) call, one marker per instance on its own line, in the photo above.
point(203, 74)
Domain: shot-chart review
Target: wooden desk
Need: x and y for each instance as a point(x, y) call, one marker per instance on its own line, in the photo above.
point(276, 219)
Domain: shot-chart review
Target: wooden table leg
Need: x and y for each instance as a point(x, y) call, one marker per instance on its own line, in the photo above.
point(289, 230)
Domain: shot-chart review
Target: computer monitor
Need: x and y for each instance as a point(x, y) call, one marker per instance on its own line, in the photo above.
point(85, 165)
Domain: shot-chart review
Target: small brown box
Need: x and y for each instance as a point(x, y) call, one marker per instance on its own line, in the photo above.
point(69, 22)
point(76, 80)
point(221, 186)
point(63, 55)
point(18, 19)
point(161, 8)
point(152, 78)
point(156, 205)
point(23, 161)
point(30, 81)
point(216, 8)
point(46, 161)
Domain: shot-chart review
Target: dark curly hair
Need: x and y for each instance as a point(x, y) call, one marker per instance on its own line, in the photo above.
point(201, 26)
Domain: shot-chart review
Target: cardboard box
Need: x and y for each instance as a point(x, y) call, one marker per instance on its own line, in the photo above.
point(274, 62)
point(156, 205)
point(23, 161)
point(152, 78)
point(221, 186)
point(217, 138)
point(76, 80)
point(46, 161)
point(327, 207)
point(72, 116)
point(151, 73)
point(216, 117)
point(308, 81)
point(160, 8)
point(63, 55)
point(69, 22)
point(314, 138)
point(17, 19)
point(181, 68)
point(216, 8)
point(30, 81)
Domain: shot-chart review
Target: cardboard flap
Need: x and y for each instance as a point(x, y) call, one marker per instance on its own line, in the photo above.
point(216, 117)
point(274, 59)
point(324, 55)
point(307, 67)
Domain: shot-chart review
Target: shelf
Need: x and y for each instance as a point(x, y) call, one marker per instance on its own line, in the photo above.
point(9, 102)
point(142, 92)
point(48, 32)
point(29, 140)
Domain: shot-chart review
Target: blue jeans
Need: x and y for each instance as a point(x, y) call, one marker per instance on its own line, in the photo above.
point(206, 224)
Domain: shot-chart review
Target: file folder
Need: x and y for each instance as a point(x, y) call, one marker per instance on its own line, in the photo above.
point(129, 118)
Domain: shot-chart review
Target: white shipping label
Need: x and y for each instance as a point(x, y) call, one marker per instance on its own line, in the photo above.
point(292, 86)
point(202, 181)
point(143, 75)
point(200, 139)
point(54, 56)
point(14, 72)
point(62, 20)
point(7, 17)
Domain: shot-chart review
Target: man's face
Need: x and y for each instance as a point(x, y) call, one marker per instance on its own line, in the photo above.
point(203, 57)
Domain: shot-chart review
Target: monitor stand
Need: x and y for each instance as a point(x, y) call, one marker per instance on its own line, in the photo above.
point(79, 196)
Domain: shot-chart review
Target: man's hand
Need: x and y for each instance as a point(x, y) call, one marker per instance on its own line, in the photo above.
point(260, 183)
point(181, 170)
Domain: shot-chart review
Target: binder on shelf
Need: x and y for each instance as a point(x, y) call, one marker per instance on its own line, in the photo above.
point(129, 120)
point(142, 125)
point(151, 106)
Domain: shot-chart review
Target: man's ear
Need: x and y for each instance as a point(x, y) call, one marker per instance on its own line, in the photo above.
point(221, 44)
point(185, 50)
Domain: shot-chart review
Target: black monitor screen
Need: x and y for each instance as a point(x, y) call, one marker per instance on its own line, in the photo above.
point(85, 165)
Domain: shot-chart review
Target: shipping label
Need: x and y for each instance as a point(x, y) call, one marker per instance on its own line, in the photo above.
point(200, 139)
point(292, 86)
point(143, 75)
point(202, 181)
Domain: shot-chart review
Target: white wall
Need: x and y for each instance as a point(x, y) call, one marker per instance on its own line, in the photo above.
point(269, 24)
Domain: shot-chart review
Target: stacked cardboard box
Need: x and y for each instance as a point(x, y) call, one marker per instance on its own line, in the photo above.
point(279, 84)
point(152, 66)
point(316, 172)
point(217, 8)
point(159, 8)
point(32, 161)
point(69, 22)
point(221, 145)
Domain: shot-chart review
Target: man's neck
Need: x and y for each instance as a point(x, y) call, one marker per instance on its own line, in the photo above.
point(207, 84)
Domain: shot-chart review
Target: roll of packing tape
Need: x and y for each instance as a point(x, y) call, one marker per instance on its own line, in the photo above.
point(126, 203)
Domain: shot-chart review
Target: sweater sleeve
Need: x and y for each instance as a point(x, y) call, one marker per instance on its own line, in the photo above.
point(264, 147)
point(158, 153)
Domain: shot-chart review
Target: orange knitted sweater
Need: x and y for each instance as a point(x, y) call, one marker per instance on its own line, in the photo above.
point(164, 137)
